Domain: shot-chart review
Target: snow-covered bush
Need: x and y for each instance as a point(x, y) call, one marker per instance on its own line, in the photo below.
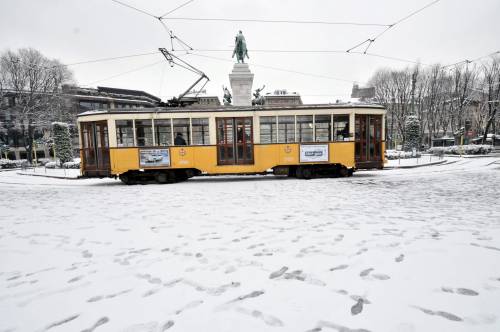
point(412, 133)
point(62, 142)
point(72, 164)
point(43, 161)
point(7, 163)
point(461, 149)
point(394, 154)
point(51, 164)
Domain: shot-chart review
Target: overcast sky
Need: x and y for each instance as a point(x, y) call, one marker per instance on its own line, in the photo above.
point(78, 30)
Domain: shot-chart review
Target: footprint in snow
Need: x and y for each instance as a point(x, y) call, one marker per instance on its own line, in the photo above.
point(100, 322)
point(278, 273)
point(366, 272)
point(461, 291)
point(381, 276)
point(400, 258)
point(339, 267)
point(443, 314)
point(357, 308)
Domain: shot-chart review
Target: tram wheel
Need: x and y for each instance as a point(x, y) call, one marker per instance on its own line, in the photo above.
point(299, 172)
point(343, 172)
point(307, 173)
point(161, 177)
point(127, 179)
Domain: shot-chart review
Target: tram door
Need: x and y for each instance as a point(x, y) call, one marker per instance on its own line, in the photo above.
point(368, 140)
point(235, 141)
point(95, 148)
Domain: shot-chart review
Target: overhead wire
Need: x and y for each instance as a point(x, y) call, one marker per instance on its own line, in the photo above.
point(176, 8)
point(124, 73)
point(134, 8)
point(317, 52)
point(370, 41)
point(471, 61)
point(248, 20)
point(277, 68)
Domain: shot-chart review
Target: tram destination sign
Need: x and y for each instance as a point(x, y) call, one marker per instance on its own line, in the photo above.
point(313, 153)
point(154, 157)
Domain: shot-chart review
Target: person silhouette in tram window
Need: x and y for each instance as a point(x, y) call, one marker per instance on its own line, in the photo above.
point(179, 140)
point(240, 135)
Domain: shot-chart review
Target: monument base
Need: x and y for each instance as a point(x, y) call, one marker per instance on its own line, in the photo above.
point(241, 80)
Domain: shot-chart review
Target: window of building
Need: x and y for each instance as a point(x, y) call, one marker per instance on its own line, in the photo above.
point(163, 132)
point(286, 129)
point(200, 131)
point(322, 127)
point(340, 127)
point(144, 132)
point(268, 129)
point(305, 128)
point(124, 133)
point(182, 126)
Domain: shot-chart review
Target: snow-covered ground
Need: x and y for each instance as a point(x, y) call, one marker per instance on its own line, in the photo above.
point(395, 250)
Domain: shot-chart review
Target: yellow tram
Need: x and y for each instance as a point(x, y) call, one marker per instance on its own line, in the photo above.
point(173, 144)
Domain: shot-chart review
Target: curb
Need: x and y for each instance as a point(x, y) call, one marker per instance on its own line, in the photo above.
point(415, 166)
point(490, 155)
point(49, 176)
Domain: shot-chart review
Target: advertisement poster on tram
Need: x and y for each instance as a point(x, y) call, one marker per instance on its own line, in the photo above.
point(154, 157)
point(313, 153)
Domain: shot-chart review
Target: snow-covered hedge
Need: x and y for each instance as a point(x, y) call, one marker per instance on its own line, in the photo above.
point(72, 164)
point(7, 163)
point(43, 161)
point(461, 149)
point(69, 164)
point(394, 154)
point(51, 164)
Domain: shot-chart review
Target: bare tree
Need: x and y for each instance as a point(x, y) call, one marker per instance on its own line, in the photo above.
point(35, 82)
point(492, 83)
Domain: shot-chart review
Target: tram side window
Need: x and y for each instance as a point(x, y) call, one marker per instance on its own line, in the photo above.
point(268, 129)
point(163, 132)
point(144, 132)
point(340, 127)
point(323, 127)
point(124, 133)
point(305, 128)
point(286, 129)
point(182, 126)
point(200, 131)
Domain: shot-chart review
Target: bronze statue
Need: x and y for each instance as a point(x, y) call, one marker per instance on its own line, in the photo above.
point(227, 96)
point(240, 48)
point(258, 100)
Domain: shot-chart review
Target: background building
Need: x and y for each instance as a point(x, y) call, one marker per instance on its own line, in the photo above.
point(282, 97)
point(73, 100)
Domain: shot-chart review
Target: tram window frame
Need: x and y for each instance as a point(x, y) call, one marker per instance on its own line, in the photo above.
point(305, 131)
point(285, 133)
point(268, 129)
point(322, 133)
point(182, 126)
point(200, 131)
point(144, 138)
point(341, 125)
point(124, 133)
point(163, 137)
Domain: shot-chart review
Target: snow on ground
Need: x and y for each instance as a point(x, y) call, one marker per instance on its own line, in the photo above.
point(394, 250)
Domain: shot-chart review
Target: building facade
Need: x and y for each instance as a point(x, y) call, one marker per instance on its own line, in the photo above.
point(73, 100)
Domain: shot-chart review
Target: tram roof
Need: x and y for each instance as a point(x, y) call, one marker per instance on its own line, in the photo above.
point(198, 108)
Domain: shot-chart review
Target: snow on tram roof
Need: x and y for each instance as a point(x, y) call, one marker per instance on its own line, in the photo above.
point(198, 108)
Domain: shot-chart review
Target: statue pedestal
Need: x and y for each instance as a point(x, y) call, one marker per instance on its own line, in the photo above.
point(241, 80)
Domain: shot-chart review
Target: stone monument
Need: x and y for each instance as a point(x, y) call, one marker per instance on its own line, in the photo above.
point(241, 78)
